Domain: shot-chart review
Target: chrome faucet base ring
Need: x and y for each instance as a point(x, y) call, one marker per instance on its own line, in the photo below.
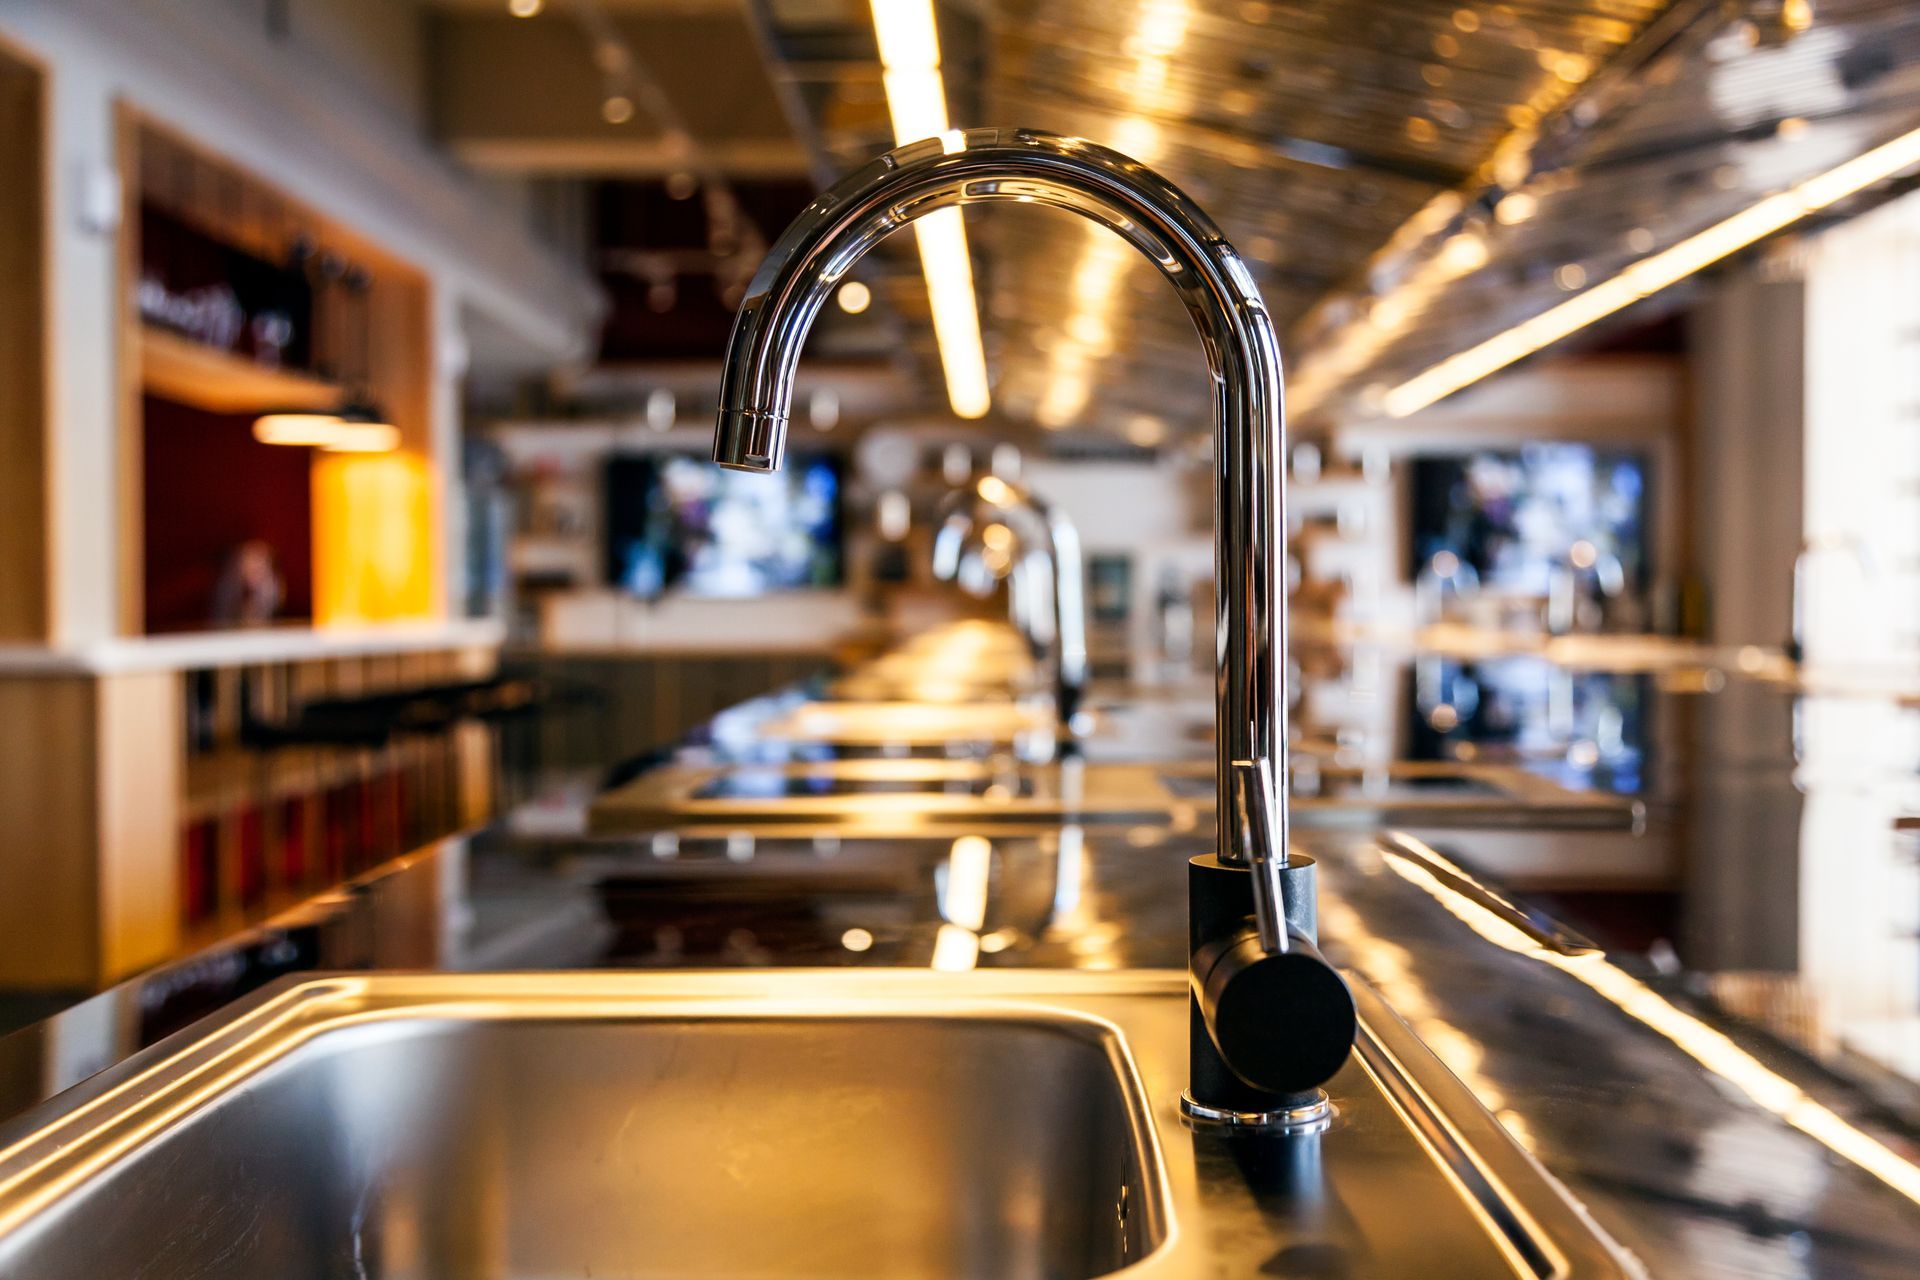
point(1311, 1117)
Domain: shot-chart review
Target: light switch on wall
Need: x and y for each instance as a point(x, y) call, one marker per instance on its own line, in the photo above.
point(98, 198)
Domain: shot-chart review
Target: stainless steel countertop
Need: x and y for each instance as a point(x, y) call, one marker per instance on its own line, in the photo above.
point(1033, 1127)
point(1714, 1138)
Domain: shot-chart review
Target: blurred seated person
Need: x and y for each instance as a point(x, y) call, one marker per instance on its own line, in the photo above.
point(249, 591)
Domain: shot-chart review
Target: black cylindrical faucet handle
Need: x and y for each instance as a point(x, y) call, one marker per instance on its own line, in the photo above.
point(1268, 1027)
point(1283, 1022)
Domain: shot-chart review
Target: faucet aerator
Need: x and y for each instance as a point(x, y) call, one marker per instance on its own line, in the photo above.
point(749, 440)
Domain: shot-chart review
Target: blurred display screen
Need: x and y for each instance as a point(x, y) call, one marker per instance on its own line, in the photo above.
point(1513, 515)
point(1586, 730)
point(678, 522)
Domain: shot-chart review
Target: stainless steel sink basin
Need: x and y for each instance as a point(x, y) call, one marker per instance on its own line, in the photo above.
point(793, 1123)
point(474, 1140)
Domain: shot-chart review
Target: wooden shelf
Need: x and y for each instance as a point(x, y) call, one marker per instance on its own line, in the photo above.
point(207, 650)
point(190, 372)
point(377, 546)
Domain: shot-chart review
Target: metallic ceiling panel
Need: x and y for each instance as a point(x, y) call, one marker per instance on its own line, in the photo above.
point(1734, 105)
point(525, 96)
point(1347, 146)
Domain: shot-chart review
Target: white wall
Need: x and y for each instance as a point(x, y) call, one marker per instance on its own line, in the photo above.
point(326, 115)
point(1747, 338)
point(1158, 514)
point(614, 622)
point(374, 48)
point(1862, 447)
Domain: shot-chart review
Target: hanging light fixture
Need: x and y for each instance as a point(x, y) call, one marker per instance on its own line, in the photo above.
point(359, 425)
point(362, 428)
point(310, 429)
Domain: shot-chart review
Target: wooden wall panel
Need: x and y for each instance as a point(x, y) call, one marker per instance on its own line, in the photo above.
point(49, 917)
point(90, 786)
point(140, 799)
point(129, 503)
point(624, 705)
point(24, 550)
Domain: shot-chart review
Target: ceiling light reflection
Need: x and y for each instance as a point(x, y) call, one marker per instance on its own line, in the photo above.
point(1159, 32)
point(955, 950)
point(917, 105)
point(965, 901)
point(1651, 274)
point(1516, 207)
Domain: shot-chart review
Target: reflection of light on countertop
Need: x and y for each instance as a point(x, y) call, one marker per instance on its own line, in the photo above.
point(1393, 971)
point(1093, 942)
point(1069, 873)
point(955, 950)
point(1096, 947)
point(1712, 1049)
point(964, 902)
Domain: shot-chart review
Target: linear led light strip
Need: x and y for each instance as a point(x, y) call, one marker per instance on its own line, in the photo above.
point(1710, 1047)
point(1653, 273)
point(326, 431)
point(917, 103)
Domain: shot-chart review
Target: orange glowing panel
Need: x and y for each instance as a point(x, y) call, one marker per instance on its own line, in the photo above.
point(373, 558)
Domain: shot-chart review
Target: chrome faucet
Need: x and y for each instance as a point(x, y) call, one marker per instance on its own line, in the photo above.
point(979, 557)
point(1564, 579)
point(1051, 547)
point(1442, 570)
point(1272, 1021)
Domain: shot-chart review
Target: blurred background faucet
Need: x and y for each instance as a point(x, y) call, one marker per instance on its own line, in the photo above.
point(1444, 574)
point(1047, 574)
point(1582, 563)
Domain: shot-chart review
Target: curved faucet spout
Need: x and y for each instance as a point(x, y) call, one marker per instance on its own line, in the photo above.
point(1271, 1019)
point(1242, 354)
